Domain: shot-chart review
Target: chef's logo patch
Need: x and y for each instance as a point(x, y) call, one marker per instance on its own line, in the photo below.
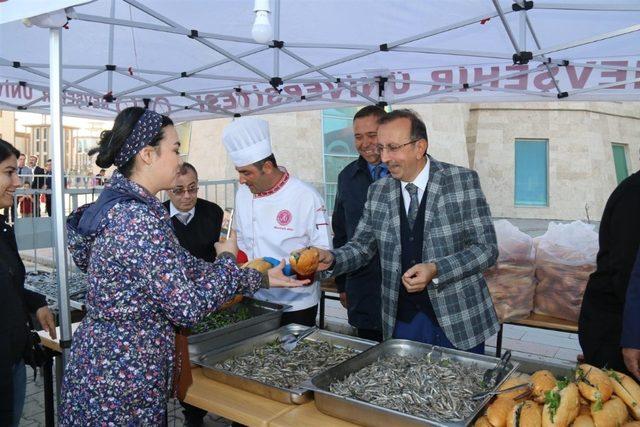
point(283, 217)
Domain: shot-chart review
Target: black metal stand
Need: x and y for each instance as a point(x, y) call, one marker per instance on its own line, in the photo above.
point(323, 297)
point(47, 379)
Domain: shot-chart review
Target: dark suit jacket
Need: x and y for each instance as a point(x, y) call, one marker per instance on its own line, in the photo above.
point(458, 237)
point(631, 319)
point(200, 234)
point(363, 285)
point(15, 301)
point(38, 181)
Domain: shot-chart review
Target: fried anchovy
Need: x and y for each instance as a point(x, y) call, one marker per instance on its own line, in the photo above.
point(270, 364)
point(438, 390)
point(45, 283)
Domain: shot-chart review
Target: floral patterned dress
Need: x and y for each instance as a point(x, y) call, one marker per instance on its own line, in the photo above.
point(142, 284)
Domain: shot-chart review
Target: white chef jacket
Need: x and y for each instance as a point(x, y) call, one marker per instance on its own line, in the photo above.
point(290, 218)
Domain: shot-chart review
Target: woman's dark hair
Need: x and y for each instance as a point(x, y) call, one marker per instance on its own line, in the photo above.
point(7, 150)
point(111, 141)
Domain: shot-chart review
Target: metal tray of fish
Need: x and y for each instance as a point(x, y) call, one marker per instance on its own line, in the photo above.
point(262, 316)
point(45, 283)
point(260, 366)
point(406, 377)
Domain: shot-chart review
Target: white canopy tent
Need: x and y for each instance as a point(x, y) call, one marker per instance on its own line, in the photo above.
point(196, 59)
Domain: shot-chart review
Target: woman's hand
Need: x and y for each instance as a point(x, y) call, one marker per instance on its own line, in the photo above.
point(46, 320)
point(230, 245)
point(277, 279)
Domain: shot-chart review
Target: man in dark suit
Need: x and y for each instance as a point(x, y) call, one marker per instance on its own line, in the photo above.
point(432, 227)
point(630, 341)
point(197, 223)
point(38, 182)
point(600, 323)
point(47, 186)
point(360, 289)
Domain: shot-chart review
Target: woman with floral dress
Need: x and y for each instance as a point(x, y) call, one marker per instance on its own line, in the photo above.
point(142, 283)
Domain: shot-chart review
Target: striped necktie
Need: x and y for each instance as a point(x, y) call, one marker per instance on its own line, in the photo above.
point(412, 189)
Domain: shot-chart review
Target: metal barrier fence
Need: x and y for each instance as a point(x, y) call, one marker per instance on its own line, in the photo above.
point(34, 229)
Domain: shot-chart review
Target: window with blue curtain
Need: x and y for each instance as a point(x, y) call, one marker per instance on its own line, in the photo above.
point(531, 172)
point(339, 148)
point(620, 162)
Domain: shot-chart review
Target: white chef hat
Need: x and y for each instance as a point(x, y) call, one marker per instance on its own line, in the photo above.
point(247, 140)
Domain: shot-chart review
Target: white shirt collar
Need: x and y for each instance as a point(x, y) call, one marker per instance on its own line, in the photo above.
point(173, 211)
point(421, 180)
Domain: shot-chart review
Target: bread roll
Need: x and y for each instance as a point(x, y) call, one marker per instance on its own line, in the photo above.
point(542, 382)
point(514, 381)
point(566, 410)
point(499, 410)
point(593, 383)
point(632, 424)
point(583, 420)
point(525, 414)
point(305, 262)
point(612, 413)
point(628, 390)
point(258, 264)
point(482, 422)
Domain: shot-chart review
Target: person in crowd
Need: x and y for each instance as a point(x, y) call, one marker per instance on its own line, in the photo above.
point(600, 322)
point(25, 175)
point(47, 186)
point(38, 182)
point(197, 223)
point(142, 283)
point(432, 227)
point(275, 213)
point(630, 340)
point(16, 302)
point(100, 179)
point(360, 289)
point(26, 202)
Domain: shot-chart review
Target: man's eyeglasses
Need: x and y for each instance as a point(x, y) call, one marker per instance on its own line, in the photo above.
point(180, 191)
point(392, 148)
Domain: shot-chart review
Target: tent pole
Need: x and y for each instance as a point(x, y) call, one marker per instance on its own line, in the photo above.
point(57, 192)
point(276, 36)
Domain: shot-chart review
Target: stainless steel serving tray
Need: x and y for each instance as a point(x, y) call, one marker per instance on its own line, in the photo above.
point(367, 414)
point(265, 317)
point(298, 394)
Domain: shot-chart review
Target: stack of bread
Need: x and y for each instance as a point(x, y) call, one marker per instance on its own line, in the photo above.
point(593, 398)
point(512, 280)
point(565, 257)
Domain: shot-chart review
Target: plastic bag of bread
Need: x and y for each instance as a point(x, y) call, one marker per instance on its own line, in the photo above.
point(565, 257)
point(511, 281)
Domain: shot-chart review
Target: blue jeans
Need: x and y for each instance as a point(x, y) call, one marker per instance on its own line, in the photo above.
point(19, 391)
point(423, 329)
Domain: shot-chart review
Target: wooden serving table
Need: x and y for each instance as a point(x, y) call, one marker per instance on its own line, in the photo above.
point(309, 416)
point(232, 403)
point(213, 396)
point(538, 321)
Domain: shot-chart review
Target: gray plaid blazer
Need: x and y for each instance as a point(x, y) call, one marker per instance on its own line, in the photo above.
point(458, 237)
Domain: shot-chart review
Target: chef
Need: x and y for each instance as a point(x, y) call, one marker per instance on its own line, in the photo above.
point(276, 213)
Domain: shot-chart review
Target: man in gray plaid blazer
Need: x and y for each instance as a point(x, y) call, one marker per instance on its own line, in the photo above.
point(432, 227)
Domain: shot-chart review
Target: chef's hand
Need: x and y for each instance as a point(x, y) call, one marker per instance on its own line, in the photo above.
point(230, 245)
point(631, 358)
point(417, 277)
point(46, 320)
point(277, 279)
point(343, 299)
